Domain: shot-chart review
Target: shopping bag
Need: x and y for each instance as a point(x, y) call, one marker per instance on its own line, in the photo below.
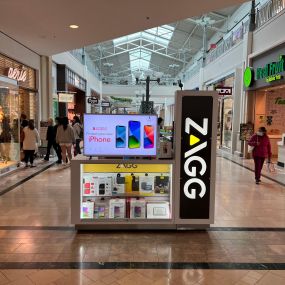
point(250, 148)
point(270, 167)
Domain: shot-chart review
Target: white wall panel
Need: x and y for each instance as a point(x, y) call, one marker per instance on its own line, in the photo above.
point(18, 52)
point(224, 64)
point(270, 34)
point(70, 61)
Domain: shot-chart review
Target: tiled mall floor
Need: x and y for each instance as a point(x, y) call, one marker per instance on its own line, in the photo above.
point(141, 277)
point(222, 255)
point(45, 199)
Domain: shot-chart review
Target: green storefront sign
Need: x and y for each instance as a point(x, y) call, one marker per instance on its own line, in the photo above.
point(270, 72)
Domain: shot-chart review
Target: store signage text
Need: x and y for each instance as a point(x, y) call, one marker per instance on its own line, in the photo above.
point(271, 69)
point(190, 170)
point(270, 72)
point(280, 101)
point(105, 104)
point(17, 74)
point(92, 100)
point(225, 90)
point(127, 165)
point(274, 78)
point(65, 97)
point(196, 156)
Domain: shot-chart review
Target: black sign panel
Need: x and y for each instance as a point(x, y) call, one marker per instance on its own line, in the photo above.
point(225, 90)
point(92, 100)
point(195, 171)
point(105, 104)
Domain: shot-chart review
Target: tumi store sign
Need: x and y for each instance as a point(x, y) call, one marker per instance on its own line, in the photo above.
point(25, 75)
point(196, 157)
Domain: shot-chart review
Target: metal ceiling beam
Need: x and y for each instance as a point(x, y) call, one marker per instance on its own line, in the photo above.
point(149, 46)
point(207, 26)
point(218, 15)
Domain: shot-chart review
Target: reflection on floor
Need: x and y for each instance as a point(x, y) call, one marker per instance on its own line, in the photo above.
point(141, 277)
point(278, 174)
point(240, 257)
point(143, 246)
point(44, 200)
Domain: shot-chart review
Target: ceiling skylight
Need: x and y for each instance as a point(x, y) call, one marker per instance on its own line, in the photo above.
point(140, 59)
point(159, 35)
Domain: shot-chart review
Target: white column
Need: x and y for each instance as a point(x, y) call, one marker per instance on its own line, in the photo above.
point(45, 102)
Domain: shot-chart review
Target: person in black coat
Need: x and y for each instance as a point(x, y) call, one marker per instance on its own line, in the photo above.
point(51, 134)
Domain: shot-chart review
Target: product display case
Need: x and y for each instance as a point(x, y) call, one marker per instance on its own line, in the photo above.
point(116, 192)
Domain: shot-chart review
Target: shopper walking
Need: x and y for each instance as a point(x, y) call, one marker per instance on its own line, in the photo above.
point(65, 138)
point(261, 150)
point(78, 132)
point(31, 139)
point(50, 137)
point(57, 146)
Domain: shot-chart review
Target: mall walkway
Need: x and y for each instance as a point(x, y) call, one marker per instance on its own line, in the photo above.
point(245, 246)
point(45, 199)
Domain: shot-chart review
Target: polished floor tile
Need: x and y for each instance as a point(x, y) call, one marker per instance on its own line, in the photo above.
point(142, 277)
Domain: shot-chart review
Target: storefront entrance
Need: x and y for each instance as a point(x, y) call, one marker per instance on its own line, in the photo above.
point(270, 113)
point(9, 125)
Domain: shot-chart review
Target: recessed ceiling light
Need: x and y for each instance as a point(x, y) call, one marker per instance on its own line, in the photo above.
point(73, 26)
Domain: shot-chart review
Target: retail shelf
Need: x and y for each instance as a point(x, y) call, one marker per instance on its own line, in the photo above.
point(127, 195)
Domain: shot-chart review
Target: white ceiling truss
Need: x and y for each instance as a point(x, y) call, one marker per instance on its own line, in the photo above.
point(174, 54)
point(163, 50)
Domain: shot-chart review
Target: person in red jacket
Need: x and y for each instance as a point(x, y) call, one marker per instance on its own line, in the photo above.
point(262, 149)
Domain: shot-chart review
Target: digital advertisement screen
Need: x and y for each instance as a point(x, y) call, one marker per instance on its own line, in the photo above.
point(120, 135)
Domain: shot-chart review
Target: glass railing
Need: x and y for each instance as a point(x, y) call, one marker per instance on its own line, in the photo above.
point(263, 14)
point(229, 41)
point(268, 11)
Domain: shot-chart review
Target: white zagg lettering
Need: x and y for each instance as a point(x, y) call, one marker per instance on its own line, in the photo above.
point(202, 130)
point(191, 170)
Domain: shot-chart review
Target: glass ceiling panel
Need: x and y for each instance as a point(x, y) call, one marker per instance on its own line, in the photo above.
point(161, 35)
point(140, 59)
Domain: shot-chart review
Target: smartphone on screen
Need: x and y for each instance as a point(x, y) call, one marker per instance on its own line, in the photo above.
point(134, 134)
point(120, 136)
point(148, 136)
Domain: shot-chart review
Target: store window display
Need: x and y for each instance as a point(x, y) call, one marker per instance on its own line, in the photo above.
point(9, 126)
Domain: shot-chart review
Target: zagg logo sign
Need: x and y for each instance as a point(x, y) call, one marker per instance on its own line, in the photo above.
point(195, 156)
point(192, 156)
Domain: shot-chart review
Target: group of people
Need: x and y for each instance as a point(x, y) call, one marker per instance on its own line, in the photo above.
point(61, 136)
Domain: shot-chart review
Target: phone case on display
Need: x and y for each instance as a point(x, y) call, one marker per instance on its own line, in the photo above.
point(135, 183)
point(117, 209)
point(158, 210)
point(128, 183)
point(89, 185)
point(146, 184)
point(137, 208)
point(161, 184)
point(104, 186)
point(119, 185)
point(101, 210)
point(87, 210)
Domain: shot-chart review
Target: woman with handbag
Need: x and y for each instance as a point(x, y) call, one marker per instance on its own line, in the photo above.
point(261, 149)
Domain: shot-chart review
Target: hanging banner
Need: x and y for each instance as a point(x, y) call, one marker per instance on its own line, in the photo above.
point(197, 154)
